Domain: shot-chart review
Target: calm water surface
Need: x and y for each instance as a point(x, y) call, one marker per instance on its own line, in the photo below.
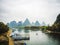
point(40, 38)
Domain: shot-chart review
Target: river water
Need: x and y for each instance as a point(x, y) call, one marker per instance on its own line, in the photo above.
point(40, 38)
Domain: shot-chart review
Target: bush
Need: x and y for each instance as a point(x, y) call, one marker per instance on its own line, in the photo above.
point(3, 28)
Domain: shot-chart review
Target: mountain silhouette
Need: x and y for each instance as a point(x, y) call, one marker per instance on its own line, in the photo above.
point(33, 24)
point(19, 23)
point(12, 24)
point(26, 23)
point(43, 24)
point(37, 23)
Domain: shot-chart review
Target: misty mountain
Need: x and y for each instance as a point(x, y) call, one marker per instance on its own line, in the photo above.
point(19, 23)
point(12, 24)
point(26, 23)
point(37, 23)
point(43, 24)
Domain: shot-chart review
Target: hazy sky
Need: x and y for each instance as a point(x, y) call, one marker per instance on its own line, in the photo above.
point(19, 10)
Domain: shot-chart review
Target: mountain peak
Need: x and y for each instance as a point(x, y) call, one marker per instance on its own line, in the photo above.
point(26, 22)
point(43, 24)
point(37, 23)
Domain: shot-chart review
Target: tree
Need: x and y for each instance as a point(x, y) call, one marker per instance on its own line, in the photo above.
point(3, 28)
point(4, 40)
point(58, 19)
point(56, 25)
point(48, 27)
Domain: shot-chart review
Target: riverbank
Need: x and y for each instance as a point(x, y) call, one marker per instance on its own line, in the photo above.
point(51, 32)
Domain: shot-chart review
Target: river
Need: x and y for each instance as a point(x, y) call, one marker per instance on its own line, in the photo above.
point(40, 38)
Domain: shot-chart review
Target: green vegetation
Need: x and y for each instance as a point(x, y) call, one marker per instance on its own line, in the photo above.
point(19, 27)
point(3, 36)
point(56, 26)
point(43, 28)
point(3, 28)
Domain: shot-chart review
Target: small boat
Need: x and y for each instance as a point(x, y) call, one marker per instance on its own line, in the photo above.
point(36, 33)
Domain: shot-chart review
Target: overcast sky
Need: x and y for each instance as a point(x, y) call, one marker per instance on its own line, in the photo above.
point(19, 10)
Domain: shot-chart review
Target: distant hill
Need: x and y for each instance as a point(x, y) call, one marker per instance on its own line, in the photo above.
point(13, 24)
point(26, 23)
point(19, 23)
point(43, 24)
point(32, 24)
point(37, 23)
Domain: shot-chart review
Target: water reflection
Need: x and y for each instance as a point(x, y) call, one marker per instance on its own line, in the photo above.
point(55, 37)
point(26, 31)
point(40, 38)
point(20, 30)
